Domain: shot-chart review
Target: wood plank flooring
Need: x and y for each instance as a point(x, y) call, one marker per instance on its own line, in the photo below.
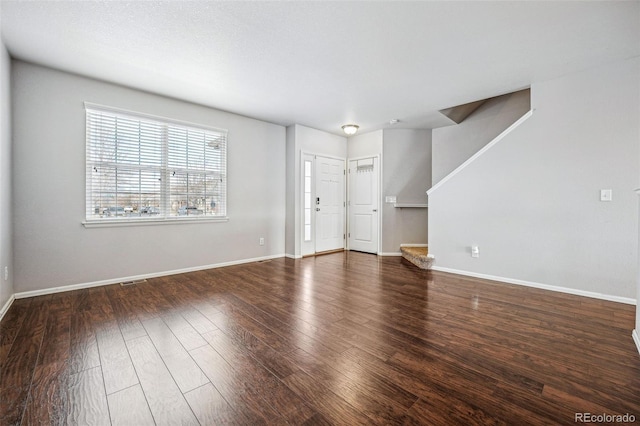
point(345, 339)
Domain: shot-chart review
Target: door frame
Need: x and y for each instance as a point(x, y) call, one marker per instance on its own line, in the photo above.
point(379, 196)
point(301, 176)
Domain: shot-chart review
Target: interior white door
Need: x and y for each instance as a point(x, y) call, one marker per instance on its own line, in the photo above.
point(330, 205)
point(363, 205)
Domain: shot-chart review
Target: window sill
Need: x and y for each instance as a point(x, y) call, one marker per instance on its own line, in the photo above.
point(114, 223)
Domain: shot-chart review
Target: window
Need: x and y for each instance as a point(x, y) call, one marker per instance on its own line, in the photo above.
point(307, 200)
point(145, 168)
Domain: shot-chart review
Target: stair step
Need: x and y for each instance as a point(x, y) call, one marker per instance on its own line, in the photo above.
point(419, 256)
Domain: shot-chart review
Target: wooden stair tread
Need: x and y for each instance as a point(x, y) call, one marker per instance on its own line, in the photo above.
point(415, 251)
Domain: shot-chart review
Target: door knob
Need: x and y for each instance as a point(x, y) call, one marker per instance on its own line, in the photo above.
point(317, 209)
point(375, 210)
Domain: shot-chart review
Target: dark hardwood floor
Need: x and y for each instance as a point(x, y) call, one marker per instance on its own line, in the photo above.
point(346, 339)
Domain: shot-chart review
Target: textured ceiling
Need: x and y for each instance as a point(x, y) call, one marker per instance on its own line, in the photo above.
point(322, 64)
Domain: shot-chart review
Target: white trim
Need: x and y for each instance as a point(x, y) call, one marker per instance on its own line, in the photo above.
point(116, 110)
point(293, 256)
point(114, 223)
point(363, 157)
point(414, 245)
point(315, 154)
point(574, 291)
point(396, 253)
point(6, 306)
point(61, 289)
point(484, 149)
point(636, 339)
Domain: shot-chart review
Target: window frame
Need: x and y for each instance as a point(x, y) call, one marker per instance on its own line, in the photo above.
point(164, 169)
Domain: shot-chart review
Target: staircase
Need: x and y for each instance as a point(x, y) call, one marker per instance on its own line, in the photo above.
point(419, 256)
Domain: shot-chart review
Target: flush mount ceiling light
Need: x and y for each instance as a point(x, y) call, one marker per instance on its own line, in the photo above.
point(350, 129)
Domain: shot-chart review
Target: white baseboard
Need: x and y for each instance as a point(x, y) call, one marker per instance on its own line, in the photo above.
point(394, 253)
point(414, 245)
point(293, 256)
point(636, 338)
point(591, 294)
point(6, 306)
point(61, 289)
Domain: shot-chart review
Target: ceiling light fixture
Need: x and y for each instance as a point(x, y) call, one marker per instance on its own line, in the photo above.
point(350, 129)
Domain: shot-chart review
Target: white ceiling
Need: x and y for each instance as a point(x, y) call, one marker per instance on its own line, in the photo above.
point(323, 64)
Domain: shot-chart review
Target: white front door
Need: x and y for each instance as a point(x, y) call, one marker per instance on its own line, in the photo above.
point(330, 205)
point(363, 205)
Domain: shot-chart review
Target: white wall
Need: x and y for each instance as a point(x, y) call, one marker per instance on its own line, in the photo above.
point(310, 141)
point(6, 226)
point(365, 145)
point(406, 173)
point(321, 143)
point(51, 246)
point(531, 202)
point(453, 145)
point(292, 221)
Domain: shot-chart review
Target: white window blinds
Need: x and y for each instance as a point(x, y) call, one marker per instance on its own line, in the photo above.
point(144, 168)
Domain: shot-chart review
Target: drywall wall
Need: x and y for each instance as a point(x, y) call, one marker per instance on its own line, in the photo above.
point(51, 246)
point(292, 221)
point(301, 139)
point(406, 173)
point(6, 223)
point(365, 145)
point(453, 145)
point(312, 141)
point(532, 202)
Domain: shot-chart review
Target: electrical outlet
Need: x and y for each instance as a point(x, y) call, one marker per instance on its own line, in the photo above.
point(6, 273)
point(606, 195)
point(261, 241)
point(475, 251)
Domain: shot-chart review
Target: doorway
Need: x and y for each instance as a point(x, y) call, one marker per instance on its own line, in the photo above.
point(363, 205)
point(323, 209)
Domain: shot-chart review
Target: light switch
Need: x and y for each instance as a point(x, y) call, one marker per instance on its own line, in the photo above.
point(390, 199)
point(606, 195)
